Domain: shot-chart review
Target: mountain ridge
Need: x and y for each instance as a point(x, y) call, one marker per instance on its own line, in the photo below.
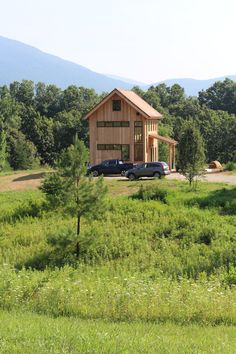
point(20, 61)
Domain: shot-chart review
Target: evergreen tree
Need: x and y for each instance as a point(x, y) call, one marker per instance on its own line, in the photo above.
point(191, 157)
point(69, 187)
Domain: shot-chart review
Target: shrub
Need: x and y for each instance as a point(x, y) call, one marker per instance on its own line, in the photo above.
point(230, 166)
point(151, 192)
point(230, 277)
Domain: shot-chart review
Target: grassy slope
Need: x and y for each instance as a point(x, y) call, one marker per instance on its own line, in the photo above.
point(122, 276)
point(29, 333)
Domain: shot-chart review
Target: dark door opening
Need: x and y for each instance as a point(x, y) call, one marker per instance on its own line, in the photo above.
point(125, 152)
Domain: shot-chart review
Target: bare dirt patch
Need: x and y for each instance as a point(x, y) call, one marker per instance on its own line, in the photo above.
point(21, 181)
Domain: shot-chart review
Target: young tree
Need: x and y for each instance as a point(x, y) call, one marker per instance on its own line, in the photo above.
point(191, 157)
point(69, 187)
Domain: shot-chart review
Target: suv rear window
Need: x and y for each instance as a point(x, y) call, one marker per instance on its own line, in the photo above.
point(154, 165)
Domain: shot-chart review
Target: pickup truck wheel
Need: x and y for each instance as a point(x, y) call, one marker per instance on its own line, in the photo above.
point(95, 173)
point(123, 173)
point(157, 175)
point(131, 177)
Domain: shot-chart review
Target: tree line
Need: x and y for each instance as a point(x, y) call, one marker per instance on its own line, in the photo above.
point(39, 121)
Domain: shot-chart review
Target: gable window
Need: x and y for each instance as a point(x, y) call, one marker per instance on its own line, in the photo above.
point(116, 105)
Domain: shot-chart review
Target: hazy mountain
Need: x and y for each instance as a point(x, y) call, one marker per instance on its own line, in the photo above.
point(129, 81)
point(19, 61)
point(192, 86)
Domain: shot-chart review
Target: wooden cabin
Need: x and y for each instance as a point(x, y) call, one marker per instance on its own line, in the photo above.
point(124, 126)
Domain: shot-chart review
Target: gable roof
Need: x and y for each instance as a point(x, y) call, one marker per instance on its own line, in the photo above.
point(134, 100)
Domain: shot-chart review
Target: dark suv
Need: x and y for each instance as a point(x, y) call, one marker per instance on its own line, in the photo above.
point(148, 169)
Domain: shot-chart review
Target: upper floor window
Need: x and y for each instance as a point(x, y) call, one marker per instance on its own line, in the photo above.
point(116, 105)
point(138, 131)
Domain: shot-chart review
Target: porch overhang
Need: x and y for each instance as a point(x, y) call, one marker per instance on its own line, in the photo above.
point(164, 139)
point(171, 147)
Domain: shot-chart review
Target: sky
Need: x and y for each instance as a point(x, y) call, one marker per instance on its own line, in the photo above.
point(146, 40)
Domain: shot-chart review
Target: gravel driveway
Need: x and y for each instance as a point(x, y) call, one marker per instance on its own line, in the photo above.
point(223, 177)
point(22, 181)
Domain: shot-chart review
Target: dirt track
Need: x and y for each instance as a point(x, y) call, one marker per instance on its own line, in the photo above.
point(32, 180)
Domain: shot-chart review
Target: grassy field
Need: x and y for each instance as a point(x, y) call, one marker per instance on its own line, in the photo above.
point(29, 333)
point(150, 272)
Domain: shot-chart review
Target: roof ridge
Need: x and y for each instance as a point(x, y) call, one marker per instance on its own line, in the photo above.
point(133, 99)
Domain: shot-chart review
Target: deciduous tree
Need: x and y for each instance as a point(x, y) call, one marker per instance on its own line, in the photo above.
point(191, 157)
point(3, 149)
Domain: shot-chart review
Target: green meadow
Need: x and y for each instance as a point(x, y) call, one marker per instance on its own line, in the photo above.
point(157, 274)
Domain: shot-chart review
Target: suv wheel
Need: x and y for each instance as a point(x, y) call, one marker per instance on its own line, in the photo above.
point(157, 175)
point(131, 177)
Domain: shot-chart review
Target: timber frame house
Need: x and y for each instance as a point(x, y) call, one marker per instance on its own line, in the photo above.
point(124, 126)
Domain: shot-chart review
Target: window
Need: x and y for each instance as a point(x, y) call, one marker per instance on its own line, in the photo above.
point(100, 124)
point(116, 105)
point(117, 124)
point(109, 146)
point(105, 163)
point(138, 132)
point(124, 148)
point(112, 163)
point(111, 124)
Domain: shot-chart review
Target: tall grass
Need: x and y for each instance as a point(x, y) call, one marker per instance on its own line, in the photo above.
point(115, 294)
point(146, 260)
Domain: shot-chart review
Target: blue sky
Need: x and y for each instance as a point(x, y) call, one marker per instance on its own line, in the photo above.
point(146, 40)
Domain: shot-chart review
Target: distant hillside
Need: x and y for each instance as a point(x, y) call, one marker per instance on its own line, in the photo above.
point(192, 86)
point(19, 61)
point(129, 81)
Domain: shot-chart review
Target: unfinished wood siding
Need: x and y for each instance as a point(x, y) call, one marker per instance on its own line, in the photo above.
point(112, 135)
point(151, 145)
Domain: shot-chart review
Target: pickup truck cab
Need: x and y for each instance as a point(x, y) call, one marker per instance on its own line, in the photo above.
point(110, 167)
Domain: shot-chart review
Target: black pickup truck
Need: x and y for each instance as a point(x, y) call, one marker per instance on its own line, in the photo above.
point(110, 167)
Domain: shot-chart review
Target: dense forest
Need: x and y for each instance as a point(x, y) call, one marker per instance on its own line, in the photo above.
point(38, 121)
